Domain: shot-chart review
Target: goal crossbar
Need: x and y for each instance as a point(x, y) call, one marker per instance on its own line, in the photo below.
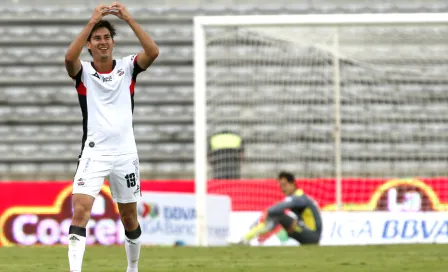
point(322, 19)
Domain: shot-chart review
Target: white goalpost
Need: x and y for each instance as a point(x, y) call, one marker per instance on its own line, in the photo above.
point(341, 96)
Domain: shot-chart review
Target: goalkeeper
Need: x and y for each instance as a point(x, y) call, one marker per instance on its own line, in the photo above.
point(305, 229)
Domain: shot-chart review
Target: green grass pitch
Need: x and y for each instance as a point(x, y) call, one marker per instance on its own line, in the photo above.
point(407, 258)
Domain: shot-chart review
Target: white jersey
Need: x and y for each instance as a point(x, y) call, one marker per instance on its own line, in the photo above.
point(107, 103)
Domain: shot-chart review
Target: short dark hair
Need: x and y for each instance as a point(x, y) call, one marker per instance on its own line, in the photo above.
point(288, 176)
point(100, 24)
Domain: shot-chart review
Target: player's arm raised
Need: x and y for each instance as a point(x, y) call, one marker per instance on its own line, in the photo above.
point(150, 49)
point(72, 62)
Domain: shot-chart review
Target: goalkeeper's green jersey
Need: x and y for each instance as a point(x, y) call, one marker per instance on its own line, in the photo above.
point(303, 206)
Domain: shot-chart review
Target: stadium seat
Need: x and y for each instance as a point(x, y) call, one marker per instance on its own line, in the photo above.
point(147, 149)
point(175, 149)
point(146, 167)
point(174, 132)
point(55, 131)
point(259, 169)
point(178, 53)
point(146, 131)
point(292, 150)
point(18, 32)
point(62, 111)
point(294, 130)
point(55, 149)
point(262, 150)
point(144, 112)
point(319, 169)
point(408, 168)
point(25, 149)
point(169, 168)
point(322, 6)
point(299, 7)
point(24, 168)
point(437, 147)
point(52, 168)
point(175, 111)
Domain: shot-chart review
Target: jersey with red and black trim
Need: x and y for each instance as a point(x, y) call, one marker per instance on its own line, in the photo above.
point(107, 104)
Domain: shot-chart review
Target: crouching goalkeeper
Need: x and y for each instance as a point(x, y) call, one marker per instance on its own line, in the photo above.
point(305, 229)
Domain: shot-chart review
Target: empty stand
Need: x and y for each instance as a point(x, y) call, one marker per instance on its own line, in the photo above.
point(41, 130)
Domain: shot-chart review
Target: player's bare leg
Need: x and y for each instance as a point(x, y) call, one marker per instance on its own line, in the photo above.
point(82, 206)
point(128, 215)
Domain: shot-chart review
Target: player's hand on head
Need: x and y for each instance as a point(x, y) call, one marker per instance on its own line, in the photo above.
point(99, 12)
point(120, 11)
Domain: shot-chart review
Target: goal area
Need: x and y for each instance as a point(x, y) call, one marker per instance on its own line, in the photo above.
point(354, 105)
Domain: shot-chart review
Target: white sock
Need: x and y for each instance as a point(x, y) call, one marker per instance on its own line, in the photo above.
point(76, 248)
point(132, 247)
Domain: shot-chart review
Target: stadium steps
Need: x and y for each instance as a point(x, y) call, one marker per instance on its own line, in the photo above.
point(170, 25)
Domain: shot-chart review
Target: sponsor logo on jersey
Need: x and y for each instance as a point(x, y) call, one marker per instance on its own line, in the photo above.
point(96, 75)
point(107, 79)
point(81, 182)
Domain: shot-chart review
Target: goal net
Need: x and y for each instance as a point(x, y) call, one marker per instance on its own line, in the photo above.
point(355, 106)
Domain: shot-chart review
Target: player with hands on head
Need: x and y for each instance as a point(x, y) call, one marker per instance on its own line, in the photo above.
point(105, 89)
point(305, 226)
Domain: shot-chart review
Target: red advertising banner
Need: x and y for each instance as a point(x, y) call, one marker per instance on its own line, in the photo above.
point(426, 194)
point(40, 212)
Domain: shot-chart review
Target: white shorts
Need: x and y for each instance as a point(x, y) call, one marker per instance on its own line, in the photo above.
point(123, 173)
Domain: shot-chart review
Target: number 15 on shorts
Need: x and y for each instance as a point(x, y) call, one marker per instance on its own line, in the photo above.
point(130, 180)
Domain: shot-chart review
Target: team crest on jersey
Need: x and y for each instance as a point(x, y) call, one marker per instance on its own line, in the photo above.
point(120, 72)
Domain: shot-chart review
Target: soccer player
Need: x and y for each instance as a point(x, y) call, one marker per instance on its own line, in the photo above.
point(305, 229)
point(106, 95)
